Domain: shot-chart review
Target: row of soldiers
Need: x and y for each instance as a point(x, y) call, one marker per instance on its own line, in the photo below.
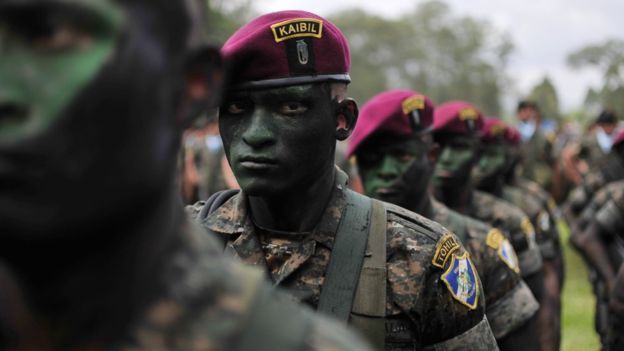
point(98, 254)
point(490, 277)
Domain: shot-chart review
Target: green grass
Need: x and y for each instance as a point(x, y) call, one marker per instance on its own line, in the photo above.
point(577, 322)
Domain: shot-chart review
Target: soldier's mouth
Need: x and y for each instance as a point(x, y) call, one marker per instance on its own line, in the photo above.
point(11, 114)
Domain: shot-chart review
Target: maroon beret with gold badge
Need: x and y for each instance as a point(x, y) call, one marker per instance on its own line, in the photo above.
point(287, 48)
point(400, 112)
point(494, 131)
point(457, 117)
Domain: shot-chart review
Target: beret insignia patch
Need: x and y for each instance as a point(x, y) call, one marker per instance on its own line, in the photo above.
point(297, 28)
point(416, 102)
point(446, 246)
point(468, 114)
point(497, 241)
point(462, 282)
point(498, 130)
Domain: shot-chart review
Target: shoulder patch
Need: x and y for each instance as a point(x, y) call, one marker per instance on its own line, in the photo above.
point(445, 247)
point(527, 228)
point(297, 28)
point(462, 282)
point(494, 238)
point(505, 251)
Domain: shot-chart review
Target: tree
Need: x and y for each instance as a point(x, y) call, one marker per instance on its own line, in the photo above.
point(608, 57)
point(224, 17)
point(545, 95)
point(430, 50)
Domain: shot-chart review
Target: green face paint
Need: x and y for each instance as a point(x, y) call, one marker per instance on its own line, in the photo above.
point(455, 162)
point(491, 164)
point(50, 51)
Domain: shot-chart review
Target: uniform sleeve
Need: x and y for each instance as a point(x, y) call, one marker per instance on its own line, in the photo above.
point(610, 217)
point(523, 240)
point(510, 303)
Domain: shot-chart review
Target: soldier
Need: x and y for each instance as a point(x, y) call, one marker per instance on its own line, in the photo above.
point(404, 280)
point(456, 126)
point(612, 170)
point(393, 148)
point(615, 332)
point(96, 253)
point(537, 160)
point(595, 146)
point(490, 175)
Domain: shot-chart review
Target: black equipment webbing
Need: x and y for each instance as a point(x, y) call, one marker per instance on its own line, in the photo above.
point(345, 264)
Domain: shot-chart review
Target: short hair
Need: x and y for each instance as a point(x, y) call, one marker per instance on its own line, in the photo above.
point(527, 104)
point(607, 117)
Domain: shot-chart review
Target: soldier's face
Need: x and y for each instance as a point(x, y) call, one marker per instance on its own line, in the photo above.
point(395, 168)
point(280, 139)
point(458, 154)
point(86, 112)
point(492, 164)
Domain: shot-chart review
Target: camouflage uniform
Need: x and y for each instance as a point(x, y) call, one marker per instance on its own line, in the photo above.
point(610, 217)
point(212, 303)
point(514, 223)
point(537, 161)
point(509, 301)
point(591, 152)
point(421, 312)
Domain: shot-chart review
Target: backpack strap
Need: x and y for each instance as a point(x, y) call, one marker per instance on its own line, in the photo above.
point(345, 263)
point(355, 281)
point(369, 308)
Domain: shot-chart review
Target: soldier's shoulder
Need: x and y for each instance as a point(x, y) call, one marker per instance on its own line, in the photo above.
point(412, 225)
point(493, 204)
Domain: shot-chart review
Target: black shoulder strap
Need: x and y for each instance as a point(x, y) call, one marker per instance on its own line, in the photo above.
point(347, 256)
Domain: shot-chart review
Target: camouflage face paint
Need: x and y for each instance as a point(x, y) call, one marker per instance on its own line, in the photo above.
point(457, 157)
point(492, 163)
point(50, 51)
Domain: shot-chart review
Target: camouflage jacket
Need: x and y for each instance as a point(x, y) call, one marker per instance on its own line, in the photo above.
point(423, 308)
point(513, 223)
point(546, 233)
point(591, 152)
point(211, 302)
point(598, 201)
point(537, 159)
point(509, 301)
point(610, 214)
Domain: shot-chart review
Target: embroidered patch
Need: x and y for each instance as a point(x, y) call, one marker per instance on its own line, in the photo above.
point(461, 280)
point(468, 114)
point(297, 28)
point(497, 130)
point(446, 246)
point(416, 102)
point(527, 228)
point(494, 238)
point(507, 253)
point(543, 219)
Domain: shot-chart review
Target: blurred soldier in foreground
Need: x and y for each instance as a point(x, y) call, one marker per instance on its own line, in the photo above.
point(405, 281)
point(490, 176)
point(394, 151)
point(537, 160)
point(96, 253)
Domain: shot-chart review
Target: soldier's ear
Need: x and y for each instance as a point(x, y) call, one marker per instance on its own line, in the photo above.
point(204, 82)
point(346, 118)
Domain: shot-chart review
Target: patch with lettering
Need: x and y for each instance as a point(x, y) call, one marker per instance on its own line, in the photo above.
point(297, 28)
point(496, 240)
point(468, 113)
point(413, 103)
point(462, 282)
point(446, 246)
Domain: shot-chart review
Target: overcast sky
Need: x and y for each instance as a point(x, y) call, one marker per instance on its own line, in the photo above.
point(543, 31)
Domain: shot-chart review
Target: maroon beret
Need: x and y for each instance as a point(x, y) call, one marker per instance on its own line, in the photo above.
point(457, 117)
point(493, 131)
point(287, 48)
point(618, 139)
point(400, 112)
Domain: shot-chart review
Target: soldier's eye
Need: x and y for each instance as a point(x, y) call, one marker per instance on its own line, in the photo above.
point(293, 108)
point(236, 108)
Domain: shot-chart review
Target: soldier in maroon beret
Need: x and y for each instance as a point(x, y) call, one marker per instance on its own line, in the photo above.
point(393, 146)
point(375, 265)
point(457, 128)
point(493, 175)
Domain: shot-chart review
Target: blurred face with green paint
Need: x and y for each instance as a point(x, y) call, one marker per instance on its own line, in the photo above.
point(457, 156)
point(492, 165)
point(91, 96)
point(396, 168)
